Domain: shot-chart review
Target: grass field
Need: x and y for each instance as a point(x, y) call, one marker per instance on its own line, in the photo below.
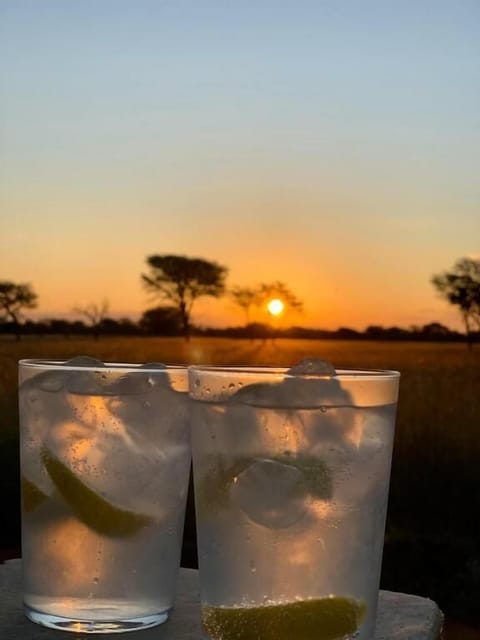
point(433, 529)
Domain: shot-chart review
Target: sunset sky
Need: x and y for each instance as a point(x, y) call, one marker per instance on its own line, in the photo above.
point(334, 146)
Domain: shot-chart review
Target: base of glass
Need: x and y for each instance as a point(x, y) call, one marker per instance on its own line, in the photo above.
point(94, 626)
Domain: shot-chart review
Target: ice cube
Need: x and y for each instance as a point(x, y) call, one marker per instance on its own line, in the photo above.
point(89, 383)
point(294, 393)
point(83, 361)
point(42, 409)
point(127, 438)
point(312, 367)
point(125, 475)
point(153, 365)
point(152, 418)
point(52, 381)
point(136, 464)
point(141, 381)
point(309, 384)
point(144, 480)
point(271, 493)
point(86, 382)
point(133, 383)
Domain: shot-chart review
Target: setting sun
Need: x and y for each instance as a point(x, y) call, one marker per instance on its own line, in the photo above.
point(275, 307)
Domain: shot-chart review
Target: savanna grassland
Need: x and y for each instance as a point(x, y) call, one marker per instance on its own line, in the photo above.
point(433, 529)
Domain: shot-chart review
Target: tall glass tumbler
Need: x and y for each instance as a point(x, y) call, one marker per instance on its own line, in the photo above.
point(105, 459)
point(291, 475)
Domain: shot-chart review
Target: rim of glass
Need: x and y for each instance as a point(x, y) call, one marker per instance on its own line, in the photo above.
point(62, 365)
point(266, 371)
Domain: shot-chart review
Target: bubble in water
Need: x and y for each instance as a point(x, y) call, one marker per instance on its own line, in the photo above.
point(271, 493)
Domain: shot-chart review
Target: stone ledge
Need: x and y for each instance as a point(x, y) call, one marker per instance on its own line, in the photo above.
point(400, 616)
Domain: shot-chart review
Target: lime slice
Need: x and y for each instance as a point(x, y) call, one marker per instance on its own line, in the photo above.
point(212, 489)
point(333, 618)
point(32, 496)
point(317, 474)
point(93, 510)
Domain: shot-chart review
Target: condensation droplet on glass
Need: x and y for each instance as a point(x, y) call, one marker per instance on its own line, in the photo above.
point(95, 580)
point(231, 385)
point(253, 568)
point(323, 409)
point(197, 382)
point(146, 404)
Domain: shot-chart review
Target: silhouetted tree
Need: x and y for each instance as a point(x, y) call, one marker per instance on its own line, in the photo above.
point(246, 298)
point(181, 280)
point(435, 330)
point(14, 298)
point(95, 314)
point(59, 326)
point(375, 332)
point(461, 287)
point(162, 321)
point(277, 289)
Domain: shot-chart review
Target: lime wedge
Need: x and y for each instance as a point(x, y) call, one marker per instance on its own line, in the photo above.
point(93, 510)
point(317, 474)
point(212, 489)
point(333, 618)
point(32, 496)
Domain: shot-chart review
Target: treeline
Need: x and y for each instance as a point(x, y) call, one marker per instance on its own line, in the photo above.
point(165, 322)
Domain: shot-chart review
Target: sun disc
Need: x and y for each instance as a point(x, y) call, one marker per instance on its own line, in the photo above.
point(275, 307)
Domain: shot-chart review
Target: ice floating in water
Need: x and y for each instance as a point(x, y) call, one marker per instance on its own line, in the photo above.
point(83, 361)
point(311, 383)
point(111, 381)
point(51, 381)
point(312, 367)
point(271, 493)
point(153, 365)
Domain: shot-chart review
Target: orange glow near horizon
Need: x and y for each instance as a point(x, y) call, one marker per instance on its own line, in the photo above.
point(352, 199)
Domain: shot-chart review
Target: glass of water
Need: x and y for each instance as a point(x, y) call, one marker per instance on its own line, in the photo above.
point(291, 472)
point(105, 459)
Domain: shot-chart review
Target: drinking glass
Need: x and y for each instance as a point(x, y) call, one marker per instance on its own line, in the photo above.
point(291, 475)
point(105, 459)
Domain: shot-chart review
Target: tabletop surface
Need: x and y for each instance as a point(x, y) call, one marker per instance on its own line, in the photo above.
point(400, 616)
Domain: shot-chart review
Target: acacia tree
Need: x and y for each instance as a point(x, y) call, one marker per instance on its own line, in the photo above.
point(14, 298)
point(277, 289)
point(246, 298)
point(461, 287)
point(180, 281)
point(162, 321)
point(95, 314)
